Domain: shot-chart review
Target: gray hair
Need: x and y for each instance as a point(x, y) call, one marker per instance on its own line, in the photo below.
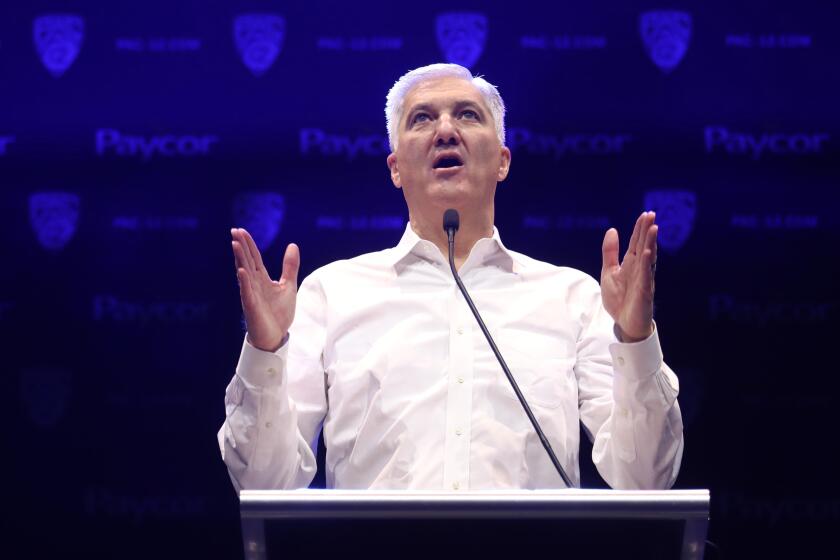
point(396, 97)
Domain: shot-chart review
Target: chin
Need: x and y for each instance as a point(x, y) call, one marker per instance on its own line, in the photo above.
point(451, 196)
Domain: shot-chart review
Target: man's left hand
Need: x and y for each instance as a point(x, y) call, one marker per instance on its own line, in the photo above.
point(627, 289)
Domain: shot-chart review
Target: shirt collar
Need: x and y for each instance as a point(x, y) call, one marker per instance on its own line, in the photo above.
point(485, 249)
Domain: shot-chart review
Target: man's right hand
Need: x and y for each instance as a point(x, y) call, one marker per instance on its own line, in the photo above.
point(269, 306)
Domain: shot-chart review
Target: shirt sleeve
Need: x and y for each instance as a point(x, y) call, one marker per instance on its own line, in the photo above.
point(276, 402)
point(628, 405)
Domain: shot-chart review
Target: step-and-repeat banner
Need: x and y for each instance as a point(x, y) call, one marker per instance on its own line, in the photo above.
point(133, 135)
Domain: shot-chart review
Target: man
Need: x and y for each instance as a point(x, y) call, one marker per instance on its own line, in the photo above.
point(383, 352)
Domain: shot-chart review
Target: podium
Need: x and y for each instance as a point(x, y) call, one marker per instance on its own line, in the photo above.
point(286, 524)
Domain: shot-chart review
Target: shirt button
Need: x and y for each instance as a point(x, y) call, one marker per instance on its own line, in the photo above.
point(620, 361)
point(460, 380)
point(457, 431)
point(455, 485)
point(271, 371)
point(268, 424)
point(460, 330)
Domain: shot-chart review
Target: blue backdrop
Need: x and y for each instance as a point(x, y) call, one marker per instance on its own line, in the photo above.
point(133, 135)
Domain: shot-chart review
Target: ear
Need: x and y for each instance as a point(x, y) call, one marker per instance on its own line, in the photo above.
point(504, 164)
point(395, 170)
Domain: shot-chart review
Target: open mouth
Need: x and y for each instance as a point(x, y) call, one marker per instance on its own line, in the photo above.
point(447, 161)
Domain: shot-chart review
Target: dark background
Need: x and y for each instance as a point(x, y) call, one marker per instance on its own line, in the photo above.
point(119, 312)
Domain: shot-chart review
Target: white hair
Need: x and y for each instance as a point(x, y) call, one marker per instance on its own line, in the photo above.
point(396, 97)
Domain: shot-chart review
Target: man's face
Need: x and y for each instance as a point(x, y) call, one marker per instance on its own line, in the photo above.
point(448, 154)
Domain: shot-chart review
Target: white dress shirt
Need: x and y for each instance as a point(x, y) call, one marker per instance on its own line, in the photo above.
point(385, 354)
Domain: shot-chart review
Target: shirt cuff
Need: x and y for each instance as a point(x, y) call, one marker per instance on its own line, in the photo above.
point(258, 368)
point(637, 360)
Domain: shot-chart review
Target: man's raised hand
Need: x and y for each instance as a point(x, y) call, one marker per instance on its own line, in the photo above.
point(269, 305)
point(627, 289)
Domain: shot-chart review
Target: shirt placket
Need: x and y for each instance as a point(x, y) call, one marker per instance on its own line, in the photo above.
point(459, 394)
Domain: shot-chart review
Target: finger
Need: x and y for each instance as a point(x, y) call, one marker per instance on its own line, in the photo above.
point(255, 252)
point(647, 272)
point(653, 245)
point(609, 250)
point(246, 292)
point(648, 238)
point(291, 265)
point(239, 235)
point(634, 238)
point(648, 268)
point(239, 256)
point(644, 226)
point(652, 235)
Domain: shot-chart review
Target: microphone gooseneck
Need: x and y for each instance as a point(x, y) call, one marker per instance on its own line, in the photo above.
point(451, 222)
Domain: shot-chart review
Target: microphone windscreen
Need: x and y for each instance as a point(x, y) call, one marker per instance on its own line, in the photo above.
point(451, 220)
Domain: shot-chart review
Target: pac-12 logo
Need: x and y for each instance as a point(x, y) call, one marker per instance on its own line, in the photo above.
point(261, 213)
point(675, 211)
point(58, 39)
point(259, 39)
point(45, 393)
point(461, 36)
point(666, 35)
point(54, 217)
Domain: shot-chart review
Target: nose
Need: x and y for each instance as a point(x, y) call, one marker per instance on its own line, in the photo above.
point(446, 132)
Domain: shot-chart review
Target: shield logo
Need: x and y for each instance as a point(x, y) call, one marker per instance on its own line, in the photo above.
point(675, 211)
point(461, 36)
point(261, 213)
point(54, 217)
point(45, 393)
point(58, 38)
point(665, 35)
point(259, 39)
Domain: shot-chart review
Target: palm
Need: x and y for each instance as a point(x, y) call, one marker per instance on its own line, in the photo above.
point(271, 305)
point(268, 305)
point(627, 289)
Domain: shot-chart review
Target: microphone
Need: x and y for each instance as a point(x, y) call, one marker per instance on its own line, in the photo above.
point(451, 221)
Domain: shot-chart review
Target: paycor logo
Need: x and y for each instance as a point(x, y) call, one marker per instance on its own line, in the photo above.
point(106, 502)
point(731, 309)
point(113, 142)
point(113, 309)
point(720, 138)
point(315, 140)
point(577, 144)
